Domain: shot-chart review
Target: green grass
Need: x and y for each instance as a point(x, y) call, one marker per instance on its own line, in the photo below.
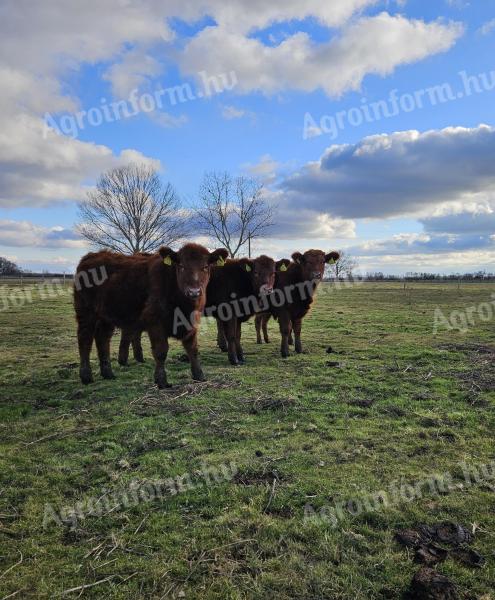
point(295, 421)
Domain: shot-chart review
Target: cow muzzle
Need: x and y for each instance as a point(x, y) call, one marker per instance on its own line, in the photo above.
point(317, 275)
point(266, 289)
point(193, 292)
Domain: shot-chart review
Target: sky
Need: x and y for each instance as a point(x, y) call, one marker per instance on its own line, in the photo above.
point(370, 123)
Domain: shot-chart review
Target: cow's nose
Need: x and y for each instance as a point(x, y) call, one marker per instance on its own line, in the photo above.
point(266, 289)
point(317, 275)
point(194, 292)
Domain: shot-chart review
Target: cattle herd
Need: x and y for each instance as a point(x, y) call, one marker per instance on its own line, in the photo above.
point(166, 293)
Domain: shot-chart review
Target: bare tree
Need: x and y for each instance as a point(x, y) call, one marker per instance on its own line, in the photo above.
point(343, 266)
point(131, 211)
point(232, 210)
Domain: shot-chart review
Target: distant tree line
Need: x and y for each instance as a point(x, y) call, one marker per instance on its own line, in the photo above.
point(412, 276)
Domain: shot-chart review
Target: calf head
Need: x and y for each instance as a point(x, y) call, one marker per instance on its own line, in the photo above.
point(312, 263)
point(262, 271)
point(192, 264)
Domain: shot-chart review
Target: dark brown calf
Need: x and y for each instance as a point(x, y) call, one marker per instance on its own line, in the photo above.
point(163, 294)
point(234, 294)
point(293, 296)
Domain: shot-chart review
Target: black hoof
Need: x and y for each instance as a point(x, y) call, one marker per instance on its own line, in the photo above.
point(163, 385)
point(107, 375)
point(86, 376)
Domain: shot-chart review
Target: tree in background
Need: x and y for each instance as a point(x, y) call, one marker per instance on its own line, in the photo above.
point(344, 266)
point(131, 211)
point(232, 210)
point(7, 267)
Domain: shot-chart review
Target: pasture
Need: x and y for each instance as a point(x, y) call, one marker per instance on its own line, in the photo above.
point(392, 404)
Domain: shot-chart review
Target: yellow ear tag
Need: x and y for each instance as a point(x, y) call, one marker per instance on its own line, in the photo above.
point(331, 261)
point(248, 268)
point(167, 261)
point(283, 267)
point(220, 262)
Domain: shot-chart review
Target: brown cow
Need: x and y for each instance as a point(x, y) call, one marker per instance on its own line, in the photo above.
point(235, 293)
point(163, 294)
point(293, 296)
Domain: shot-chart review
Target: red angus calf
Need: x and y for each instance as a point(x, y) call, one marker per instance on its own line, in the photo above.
point(293, 296)
point(235, 293)
point(163, 294)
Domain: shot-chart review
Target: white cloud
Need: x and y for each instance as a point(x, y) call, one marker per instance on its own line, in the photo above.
point(134, 71)
point(265, 169)
point(38, 171)
point(26, 234)
point(403, 173)
point(39, 42)
point(375, 45)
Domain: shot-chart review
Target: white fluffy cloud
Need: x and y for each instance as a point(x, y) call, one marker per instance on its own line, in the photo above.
point(375, 44)
point(39, 43)
point(20, 234)
point(403, 173)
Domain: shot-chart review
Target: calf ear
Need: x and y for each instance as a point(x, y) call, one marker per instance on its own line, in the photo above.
point(168, 255)
point(332, 257)
point(247, 264)
point(298, 257)
point(282, 264)
point(218, 257)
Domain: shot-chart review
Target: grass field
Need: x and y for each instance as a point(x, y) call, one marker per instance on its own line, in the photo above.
point(401, 405)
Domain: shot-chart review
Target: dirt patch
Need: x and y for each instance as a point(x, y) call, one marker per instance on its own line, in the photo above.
point(393, 411)
point(256, 405)
point(427, 584)
point(480, 375)
point(362, 403)
point(257, 477)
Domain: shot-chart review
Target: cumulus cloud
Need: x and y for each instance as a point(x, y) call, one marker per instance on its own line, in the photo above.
point(403, 173)
point(375, 44)
point(39, 171)
point(39, 42)
point(26, 234)
point(423, 243)
point(265, 169)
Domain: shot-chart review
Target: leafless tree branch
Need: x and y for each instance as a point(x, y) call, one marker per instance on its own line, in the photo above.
point(131, 211)
point(231, 210)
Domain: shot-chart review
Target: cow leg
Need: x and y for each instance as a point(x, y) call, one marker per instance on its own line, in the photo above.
point(284, 323)
point(137, 348)
point(221, 339)
point(291, 338)
point(159, 347)
point(85, 336)
point(258, 320)
point(190, 344)
point(297, 333)
point(230, 334)
point(103, 335)
point(238, 347)
point(265, 320)
point(125, 341)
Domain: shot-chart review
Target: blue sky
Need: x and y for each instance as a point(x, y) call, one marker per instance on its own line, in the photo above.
point(413, 191)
